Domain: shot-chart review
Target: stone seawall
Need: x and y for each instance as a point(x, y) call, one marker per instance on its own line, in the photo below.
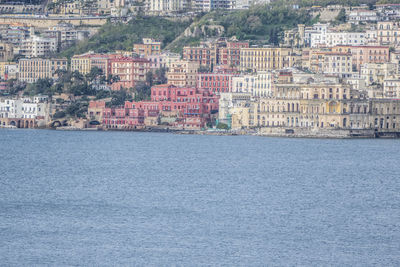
point(317, 133)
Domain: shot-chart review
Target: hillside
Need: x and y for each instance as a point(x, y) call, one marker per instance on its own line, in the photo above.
point(122, 36)
point(261, 24)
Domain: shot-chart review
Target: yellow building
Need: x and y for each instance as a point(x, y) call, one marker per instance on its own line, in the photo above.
point(241, 117)
point(81, 64)
point(266, 58)
point(32, 69)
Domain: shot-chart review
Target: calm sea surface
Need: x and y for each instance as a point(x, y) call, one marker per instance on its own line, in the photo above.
point(124, 198)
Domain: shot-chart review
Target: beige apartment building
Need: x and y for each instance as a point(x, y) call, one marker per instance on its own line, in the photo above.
point(183, 73)
point(365, 54)
point(388, 33)
point(32, 69)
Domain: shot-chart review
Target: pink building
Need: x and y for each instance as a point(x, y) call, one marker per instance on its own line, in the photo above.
point(129, 70)
point(220, 82)
point(192, 108)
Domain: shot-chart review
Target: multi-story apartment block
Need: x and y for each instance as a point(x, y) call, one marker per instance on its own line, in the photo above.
point(304, 105)
point(219, 52)
point(37, 46)
point(258, 84)
point(337, 63)
point(66, 34)
point(149, 47)
point(85, 62)
point(358, 16)
point(266, 58)
point(208, 5)
point(183, 73)
point(30, 70)
point(320, 35)
point(388, 33)
point(216, 82)
point(345, 38)
point(23, 113)
point(166, 6)
point(81, 63)
point(316, 35)
point(365, 54)
point(163, 60)
point(378, 72)
point(228, 54)
point(204, 55)
point(129, 70)
point(16, 33)
point(189, 107)
point(391, 88)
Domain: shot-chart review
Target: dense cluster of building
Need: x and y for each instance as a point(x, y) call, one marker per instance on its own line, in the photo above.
point(321, 78)
point(18, 39)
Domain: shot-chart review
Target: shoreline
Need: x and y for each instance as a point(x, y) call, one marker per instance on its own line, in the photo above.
point(280, 133)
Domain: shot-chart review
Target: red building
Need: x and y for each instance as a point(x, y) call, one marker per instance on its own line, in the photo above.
point(230, 55)
point(219, 82)
point(204, 55)
point(191, 107)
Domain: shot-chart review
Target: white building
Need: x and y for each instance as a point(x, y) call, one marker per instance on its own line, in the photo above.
point(165, 6)
point(259, 84)
point(345, 38)
point(316, 35)
point(357, 83)
point(208, 5)
point(378, 72)
point(358, 16)
point(39, 47)
point(163, 60)
point(28, 108)
point(339, 64)
point(391, 88)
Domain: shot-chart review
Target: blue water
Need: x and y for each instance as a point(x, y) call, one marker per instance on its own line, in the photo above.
point(125, 198)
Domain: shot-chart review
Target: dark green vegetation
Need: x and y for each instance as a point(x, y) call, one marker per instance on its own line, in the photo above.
point(222, 126)
point(122, 36)
point(263, 23)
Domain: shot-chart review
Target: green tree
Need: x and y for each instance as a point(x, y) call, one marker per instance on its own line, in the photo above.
point(119, 97)
point(161, 77)
point(341, 17)
point(149, 78)
point(142, 91)
point(14, 86)
point(94, 73)
point(222, 126)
